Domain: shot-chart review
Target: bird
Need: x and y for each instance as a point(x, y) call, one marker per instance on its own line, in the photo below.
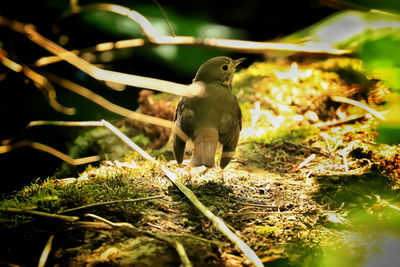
point(212, 118)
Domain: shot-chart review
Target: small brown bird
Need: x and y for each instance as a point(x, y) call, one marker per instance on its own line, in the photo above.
point(211, 118)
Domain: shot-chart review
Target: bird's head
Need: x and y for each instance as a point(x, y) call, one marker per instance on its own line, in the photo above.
point(218, 69)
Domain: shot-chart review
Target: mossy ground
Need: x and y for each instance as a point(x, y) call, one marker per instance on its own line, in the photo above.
point(327, 212)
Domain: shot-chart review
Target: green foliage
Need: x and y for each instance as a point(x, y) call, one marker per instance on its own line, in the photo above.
point(381, 58)
point(141, 140)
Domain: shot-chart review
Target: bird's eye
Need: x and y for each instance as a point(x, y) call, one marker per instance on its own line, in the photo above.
point(224, 67)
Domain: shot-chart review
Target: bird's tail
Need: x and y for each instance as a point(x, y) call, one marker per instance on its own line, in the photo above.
point(205, 146)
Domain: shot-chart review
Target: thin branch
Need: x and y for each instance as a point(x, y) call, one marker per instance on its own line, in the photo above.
point(358, 104)
point(39, 81)
point(45, 252)
point(41, 214)
point(239, 45)
point(218, 222)
point(193, 89)
point(112, 202)
point(50, 150)
point(155, 38)
point(132, 230)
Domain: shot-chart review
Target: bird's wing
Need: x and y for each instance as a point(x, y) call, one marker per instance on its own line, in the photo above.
point(230, 124)
point(239, 112)
point(184, 119)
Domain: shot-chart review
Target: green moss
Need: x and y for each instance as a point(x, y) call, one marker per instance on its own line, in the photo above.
point(285, 134)
point(268, 231)
point(95, 185)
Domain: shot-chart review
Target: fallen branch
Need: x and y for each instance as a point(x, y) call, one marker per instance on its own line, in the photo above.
point(112, 202)
point(41, 214)
point(218, 223)
point(134, 231)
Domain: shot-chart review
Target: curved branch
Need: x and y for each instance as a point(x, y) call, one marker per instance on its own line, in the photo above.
point(193, 89)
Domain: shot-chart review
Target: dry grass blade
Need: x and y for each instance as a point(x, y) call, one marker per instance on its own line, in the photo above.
point(217, 222)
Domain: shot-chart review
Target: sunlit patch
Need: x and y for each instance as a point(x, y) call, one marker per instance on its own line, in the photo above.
point(261, 121)
point(293, 73)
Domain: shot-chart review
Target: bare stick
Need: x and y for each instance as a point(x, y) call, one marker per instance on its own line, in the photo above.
point(45, 252)
point(358, 104)
point(112, 202)
point(218, 222)
point(132, 230)
point(40, 213)
point(50, 150)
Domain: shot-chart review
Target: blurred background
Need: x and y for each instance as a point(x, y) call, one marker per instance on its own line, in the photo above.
point(22, 102)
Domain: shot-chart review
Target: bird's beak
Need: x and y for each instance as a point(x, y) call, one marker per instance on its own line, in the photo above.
point(238, 61)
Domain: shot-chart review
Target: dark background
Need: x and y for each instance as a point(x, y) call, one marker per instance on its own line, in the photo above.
point(22, 102)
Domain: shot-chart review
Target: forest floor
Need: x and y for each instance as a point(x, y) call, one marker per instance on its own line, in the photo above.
point(309, 185)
